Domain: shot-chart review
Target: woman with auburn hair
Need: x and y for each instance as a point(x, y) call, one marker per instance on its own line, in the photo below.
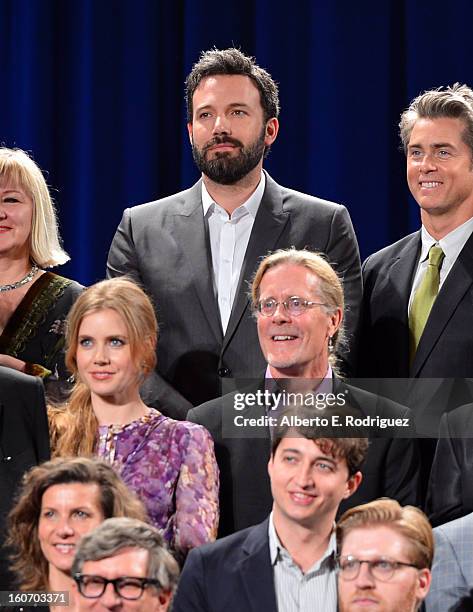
point(60, 501)
point(33, 302)
point(111, 347)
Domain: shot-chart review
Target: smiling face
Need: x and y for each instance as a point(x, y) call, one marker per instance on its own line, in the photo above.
point(402, 592)
point(295, 346)
point(68, 511)
point(16, 214)
point(103, 356)
point(307, 484)
point(228, 133)
point(440, 171)
point(132, 562)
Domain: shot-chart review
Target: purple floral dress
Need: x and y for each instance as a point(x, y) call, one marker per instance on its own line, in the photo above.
point(171, 467)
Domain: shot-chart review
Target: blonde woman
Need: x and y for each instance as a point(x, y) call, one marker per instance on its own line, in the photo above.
point(33, 301)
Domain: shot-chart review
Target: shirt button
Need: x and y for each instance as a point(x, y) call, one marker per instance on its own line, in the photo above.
point(223, 372)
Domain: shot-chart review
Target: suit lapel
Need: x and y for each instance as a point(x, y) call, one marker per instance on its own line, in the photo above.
point(269, 223)
point(400, 277)
point(190, 228)
point(457, 283)
point(256, 571)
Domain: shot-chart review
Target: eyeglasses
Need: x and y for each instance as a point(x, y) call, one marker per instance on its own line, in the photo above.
point(127, 587)
point(294, 305)
point(382, 569)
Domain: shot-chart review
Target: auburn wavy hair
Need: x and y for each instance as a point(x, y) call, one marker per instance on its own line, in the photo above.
point(73, 426)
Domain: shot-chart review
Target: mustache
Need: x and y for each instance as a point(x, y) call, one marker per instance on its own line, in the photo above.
point(222, 140)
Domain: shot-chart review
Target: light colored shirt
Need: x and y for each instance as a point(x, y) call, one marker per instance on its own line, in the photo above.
point(229, 236)
point(314, 591)
point(451, 245)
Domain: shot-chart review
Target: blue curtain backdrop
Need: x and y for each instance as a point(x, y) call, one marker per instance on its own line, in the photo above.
point(94, 89)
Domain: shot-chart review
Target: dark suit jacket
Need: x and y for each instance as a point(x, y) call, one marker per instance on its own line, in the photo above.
point(450, 494)
point(233, 574)
point(24, 439)
point(164, 246)
point(391, 468)
point(446, 347)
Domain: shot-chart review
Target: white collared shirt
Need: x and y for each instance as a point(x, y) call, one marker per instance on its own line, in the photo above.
point(314, 591)
point(451, 245)
point(229, 238)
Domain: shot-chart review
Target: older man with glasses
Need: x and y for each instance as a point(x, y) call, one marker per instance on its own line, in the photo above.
point(123, 565)
point(299, 306)
point(385, 557)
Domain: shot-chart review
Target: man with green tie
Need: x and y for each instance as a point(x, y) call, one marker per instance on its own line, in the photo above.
point(417, 314)
point(418, 303)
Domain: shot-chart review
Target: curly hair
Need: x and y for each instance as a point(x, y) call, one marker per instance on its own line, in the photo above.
point(28, 561)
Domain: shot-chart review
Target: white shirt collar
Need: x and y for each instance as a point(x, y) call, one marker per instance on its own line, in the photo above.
point(451, 244)
point(251, 205)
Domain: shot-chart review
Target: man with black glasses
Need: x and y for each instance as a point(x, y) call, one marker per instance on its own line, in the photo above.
point(124, 565)
point(385, 557)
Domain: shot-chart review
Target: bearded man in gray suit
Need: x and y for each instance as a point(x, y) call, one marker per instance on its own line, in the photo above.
point(194, 252)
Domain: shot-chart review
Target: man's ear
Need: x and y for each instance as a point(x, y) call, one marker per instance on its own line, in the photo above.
point(271, 131)
point(352, 484)
point(423, 586)
point(189, 131)
point(164, 600)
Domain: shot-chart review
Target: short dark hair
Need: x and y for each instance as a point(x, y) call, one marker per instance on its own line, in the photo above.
point(115, 534)
point(228, 62)
point(455, 102)
point(352, 449)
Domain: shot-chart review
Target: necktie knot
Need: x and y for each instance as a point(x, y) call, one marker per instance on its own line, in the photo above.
point(436, 256)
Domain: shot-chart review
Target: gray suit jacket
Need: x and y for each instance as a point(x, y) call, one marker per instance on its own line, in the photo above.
point(164, 246)
point(452, 574)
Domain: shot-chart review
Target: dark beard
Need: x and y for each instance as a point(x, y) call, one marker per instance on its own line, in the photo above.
point(224, 168)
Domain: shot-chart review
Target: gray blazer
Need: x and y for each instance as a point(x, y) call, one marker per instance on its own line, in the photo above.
point(452, 574)
point(164, 246)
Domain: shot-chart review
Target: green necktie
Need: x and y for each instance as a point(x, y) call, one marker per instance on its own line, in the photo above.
point(424, 298)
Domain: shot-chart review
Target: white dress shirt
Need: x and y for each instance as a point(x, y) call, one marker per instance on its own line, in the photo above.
point(314, 591)
point(229, 236)
point(451, 245)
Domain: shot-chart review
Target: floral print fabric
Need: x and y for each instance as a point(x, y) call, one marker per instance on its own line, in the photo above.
point(171, 466)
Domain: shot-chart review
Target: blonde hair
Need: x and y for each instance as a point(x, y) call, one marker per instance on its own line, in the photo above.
point(408, 521)
point(330, 289)
point(74, 427)
point(17, 167)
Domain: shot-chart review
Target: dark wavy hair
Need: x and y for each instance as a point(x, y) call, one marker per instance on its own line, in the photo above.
point(28, 561)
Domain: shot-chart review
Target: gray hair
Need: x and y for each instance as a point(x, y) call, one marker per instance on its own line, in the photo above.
point(114, 534)
point(45, 243)
point(330, 288)
point(455, 102)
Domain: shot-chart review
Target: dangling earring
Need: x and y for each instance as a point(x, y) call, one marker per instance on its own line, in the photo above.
point(330, 344)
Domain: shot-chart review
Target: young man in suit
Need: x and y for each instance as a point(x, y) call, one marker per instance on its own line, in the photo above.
point(288, 561)
point(194, 252)
point(24, 442)
point(298, 303)
point(385, 555)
